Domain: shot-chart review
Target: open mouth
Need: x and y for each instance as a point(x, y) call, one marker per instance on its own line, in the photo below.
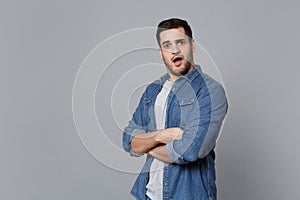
point(177, 60)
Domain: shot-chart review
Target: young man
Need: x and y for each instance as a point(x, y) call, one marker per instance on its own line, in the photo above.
point(176, 123)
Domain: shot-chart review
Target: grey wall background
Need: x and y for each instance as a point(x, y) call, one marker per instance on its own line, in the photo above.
point(254, 43)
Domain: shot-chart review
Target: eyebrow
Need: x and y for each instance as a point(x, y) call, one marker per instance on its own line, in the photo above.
point(165, 42)
point(168, 41)
point(179, 40)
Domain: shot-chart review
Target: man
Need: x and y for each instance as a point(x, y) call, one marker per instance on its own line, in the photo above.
point(176, 123)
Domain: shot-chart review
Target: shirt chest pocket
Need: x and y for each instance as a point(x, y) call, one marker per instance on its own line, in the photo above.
point(185, 107)
point(148, 114)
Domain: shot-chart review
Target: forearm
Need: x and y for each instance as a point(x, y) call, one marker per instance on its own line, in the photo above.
point(144, 142)
point(160, 153)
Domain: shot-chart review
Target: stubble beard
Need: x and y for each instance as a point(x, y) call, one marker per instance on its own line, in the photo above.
point(173, 71)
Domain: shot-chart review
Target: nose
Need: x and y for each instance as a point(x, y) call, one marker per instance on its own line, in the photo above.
point(175, 49)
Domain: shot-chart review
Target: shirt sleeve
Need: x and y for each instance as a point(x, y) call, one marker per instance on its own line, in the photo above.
point(203, 126)
point(134, 127)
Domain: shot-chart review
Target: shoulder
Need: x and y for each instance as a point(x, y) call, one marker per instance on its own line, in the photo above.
point(205, 82)
point(152, 88)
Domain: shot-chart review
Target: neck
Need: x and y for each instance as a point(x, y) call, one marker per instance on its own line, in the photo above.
point(174, 77)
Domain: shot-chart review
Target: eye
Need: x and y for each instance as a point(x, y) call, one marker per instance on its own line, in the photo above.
point(180, 42)
point(166, 46)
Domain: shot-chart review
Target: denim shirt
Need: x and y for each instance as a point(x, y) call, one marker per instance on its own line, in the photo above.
point(197, 104)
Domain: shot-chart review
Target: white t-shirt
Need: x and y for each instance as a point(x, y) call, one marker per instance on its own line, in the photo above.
point(155, 184)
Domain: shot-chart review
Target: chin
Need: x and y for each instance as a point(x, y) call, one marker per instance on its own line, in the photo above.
point(183, 70)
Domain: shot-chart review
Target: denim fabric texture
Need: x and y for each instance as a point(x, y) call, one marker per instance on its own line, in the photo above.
point(147, 198)
point(197, 104)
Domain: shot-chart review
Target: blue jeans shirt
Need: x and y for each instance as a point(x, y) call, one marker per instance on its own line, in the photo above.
point(197, 104)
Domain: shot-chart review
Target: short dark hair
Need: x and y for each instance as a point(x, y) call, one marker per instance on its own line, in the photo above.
point(173, 23)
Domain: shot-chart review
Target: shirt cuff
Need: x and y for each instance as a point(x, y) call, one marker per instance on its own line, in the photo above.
point(134, 133)
point(177, 158)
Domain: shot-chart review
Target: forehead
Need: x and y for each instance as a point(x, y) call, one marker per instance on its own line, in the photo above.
point(172, 34)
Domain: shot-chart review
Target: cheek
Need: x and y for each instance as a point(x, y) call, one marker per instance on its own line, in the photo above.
point(188, 52)
point(166, 56)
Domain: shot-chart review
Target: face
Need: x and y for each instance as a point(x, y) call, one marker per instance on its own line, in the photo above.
point(177, 52)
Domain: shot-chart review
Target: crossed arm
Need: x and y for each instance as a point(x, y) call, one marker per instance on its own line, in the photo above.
point(154, 143)
point(171, 145)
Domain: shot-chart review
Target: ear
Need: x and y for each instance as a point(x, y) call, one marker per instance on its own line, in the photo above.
point(193, 45)
point(160, 53)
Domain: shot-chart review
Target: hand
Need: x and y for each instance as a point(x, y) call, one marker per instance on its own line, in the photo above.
point(166, 135)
